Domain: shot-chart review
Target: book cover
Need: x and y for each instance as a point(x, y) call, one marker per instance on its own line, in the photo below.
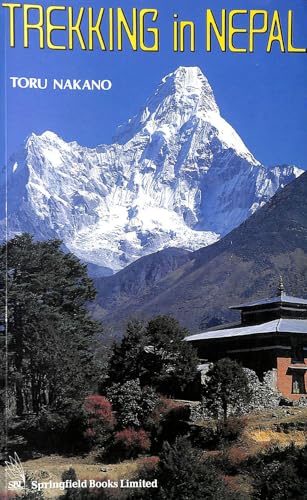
point(153, 250)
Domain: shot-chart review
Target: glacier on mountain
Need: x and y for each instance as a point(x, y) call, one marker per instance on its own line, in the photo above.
point(177, 175)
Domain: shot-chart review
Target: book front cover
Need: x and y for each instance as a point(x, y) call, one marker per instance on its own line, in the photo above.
point(153, 258)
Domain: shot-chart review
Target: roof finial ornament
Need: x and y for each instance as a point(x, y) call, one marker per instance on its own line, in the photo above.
point(281, 286)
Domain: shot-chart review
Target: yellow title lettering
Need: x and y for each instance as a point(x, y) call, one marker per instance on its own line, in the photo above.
point(275, 34)
point(12, 7)
point(154, 15)
point(50, 27)
point(253, 30)
point(122, 23)
point(233, 30)
point(220, 35)
point(290, 35)
point(75, 28)
point(27, 25)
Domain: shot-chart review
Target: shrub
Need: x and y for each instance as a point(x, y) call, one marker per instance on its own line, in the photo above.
point(57, 428)
point(278, 481)
point(233, 428)
point(168, 420)
point(100, 420)
point(146, 471)
point(183, 474)
point(205, 437)
point(69, 475)
point(99, 407)
point(133, 404)
point(130, 442)
point(237, 455)
point(279, 474)
point(173, 424)
point(163, 406)
point(218, 435)
point(150, 463)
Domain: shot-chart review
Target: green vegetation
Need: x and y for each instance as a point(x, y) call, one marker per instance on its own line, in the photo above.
point(182, 474)
point(227, 388)
point(100, 420)
point(63, 398)
point(133, 404)
point(156, 355)
point(280, 474)
point(50, 337)
point(53, 366)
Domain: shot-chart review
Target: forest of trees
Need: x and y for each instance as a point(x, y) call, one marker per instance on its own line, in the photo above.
point(50, 351)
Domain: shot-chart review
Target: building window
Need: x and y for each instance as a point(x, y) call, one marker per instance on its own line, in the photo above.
point(297, 354)
point(298, 382)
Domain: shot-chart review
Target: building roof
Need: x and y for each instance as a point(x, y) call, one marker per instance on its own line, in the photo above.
point(282, 298)
point(276, 326)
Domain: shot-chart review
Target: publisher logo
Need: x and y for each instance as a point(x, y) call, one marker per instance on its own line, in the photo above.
point(15, 472)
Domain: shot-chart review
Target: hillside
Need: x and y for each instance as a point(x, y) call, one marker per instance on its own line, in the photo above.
point(243, 265)
point(280, 428)
point(139, 277)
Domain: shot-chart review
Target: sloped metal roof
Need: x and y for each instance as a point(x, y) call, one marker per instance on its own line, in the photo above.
point(289, 299)
point(277, 326)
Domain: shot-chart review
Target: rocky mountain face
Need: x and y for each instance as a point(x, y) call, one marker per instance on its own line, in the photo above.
point(244, 265)
point(177, 175)
point(138, 278)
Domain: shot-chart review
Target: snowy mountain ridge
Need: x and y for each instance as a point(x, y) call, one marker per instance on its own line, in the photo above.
point(177, 175)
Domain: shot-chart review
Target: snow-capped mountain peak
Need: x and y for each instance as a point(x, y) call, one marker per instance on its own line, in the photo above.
point(184, 100)
point(181, 96)
point(177, 175)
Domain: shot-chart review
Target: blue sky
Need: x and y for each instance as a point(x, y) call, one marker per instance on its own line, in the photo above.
point(262, 95)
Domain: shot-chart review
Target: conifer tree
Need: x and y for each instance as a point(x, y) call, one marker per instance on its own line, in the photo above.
point(156, 355)
point(49, 329)
point(170, 363)
point(227, 386)
point(127, 358)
